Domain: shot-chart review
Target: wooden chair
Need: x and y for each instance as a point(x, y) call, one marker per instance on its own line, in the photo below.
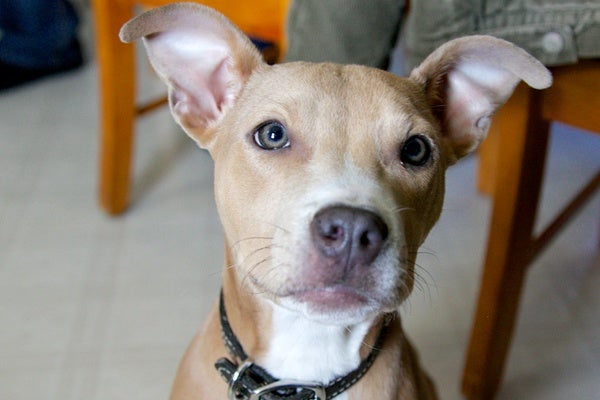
point(261, 19)
point(511, 170)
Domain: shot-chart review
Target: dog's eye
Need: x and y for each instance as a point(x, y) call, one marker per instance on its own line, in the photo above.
point(415, 151)
point(271, 136)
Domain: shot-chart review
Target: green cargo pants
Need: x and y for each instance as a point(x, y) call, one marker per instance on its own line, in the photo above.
point(343, 31)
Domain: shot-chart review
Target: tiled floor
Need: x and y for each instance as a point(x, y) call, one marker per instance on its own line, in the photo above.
point(98, 308)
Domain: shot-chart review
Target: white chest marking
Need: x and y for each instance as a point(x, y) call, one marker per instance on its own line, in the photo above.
point(301, 349)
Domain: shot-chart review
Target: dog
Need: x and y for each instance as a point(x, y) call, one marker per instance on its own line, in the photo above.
point(328, 178)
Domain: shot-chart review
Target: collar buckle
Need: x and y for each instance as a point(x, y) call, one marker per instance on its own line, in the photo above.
point(277, 388)
point(317, 389)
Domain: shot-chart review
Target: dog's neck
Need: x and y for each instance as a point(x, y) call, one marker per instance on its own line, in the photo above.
point(302, 349)
point(290, 346)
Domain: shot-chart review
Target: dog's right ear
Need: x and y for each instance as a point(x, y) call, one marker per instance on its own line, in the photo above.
point(467, 79)
point(202, 57)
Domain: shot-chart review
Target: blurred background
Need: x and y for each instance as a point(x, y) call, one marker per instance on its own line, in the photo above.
point(99, 307)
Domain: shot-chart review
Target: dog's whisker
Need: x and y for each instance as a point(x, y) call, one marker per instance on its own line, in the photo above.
point(215, 273)
point(272, 269)
point(251, 269)
point(237, 243)
point(264, 277)
point(258, 250)
point(402, 209)
point(254, 252)
point(424, 282)
point(420, 278)
point(267, 247)
point(407, 305)
point(422, 287)
point(419, 267)
point(278, 227)
point(425, 253)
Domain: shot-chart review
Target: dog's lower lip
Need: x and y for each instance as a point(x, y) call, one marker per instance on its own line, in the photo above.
point(336, 297)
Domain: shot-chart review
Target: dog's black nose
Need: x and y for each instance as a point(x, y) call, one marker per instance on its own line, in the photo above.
point(348, 236)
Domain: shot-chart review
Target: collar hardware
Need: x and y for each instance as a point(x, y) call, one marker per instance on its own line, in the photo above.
point(295, 386)
point(248, 381)
point(234, 391)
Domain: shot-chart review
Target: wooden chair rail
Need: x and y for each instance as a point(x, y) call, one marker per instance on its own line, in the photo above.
point(152, 105)
point(553, 228)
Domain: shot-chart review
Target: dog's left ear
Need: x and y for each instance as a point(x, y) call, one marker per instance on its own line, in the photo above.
point(202, 57)
point(466, 80)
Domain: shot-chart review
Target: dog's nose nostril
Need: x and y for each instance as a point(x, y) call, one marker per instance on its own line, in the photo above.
point(329, 234)
point(349, 235)
point(334, 232)
point(372, 238)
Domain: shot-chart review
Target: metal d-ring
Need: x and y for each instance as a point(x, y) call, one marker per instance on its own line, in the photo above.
point(317, 389)
point(233, 390)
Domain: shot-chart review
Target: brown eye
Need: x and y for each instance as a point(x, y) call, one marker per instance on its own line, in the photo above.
point(271, 135)
point(415, 151)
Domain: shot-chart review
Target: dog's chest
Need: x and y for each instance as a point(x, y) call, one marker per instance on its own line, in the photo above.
point(304, 350)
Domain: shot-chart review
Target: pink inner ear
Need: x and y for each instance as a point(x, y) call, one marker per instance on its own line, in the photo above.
point(499, 82)
point(190, 111)
point(466, 104)
point(223, 85)
point(475, 90)
point(198, 68)
point(204, 97)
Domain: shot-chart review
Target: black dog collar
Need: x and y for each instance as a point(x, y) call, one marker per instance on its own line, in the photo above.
point(248, 381)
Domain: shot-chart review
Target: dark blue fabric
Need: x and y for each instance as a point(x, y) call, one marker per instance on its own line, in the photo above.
point(38, 34)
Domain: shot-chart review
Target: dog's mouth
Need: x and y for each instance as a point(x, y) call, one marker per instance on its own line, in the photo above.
point(326, 296)
point(337, 303)
point(332, 298)
point(334, 303)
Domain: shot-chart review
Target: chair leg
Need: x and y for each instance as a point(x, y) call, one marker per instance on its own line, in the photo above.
point(518, 178)
point(488, 161)
point(117, 104)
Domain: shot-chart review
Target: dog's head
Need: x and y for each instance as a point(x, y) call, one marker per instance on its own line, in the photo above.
point(327, 177)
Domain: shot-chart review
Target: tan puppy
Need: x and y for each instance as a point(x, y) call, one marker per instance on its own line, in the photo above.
point(327, 179)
